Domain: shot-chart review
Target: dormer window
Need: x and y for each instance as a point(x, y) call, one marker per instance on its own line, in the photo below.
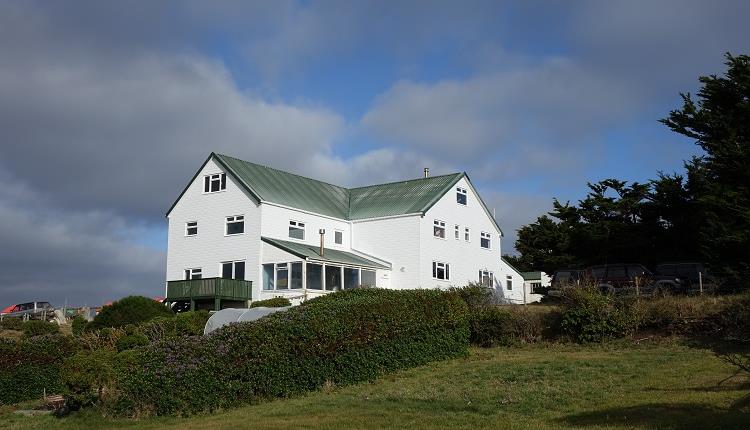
point(484, 241)
point(461, 196)
point(297, 230)
point(214, 183)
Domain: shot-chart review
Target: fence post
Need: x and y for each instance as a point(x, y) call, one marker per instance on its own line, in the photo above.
point(700, 281)
point(637, 287)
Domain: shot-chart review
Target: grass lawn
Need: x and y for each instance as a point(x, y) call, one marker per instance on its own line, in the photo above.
point(655, 385)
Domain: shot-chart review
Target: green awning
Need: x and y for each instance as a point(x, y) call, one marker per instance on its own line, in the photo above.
point(310, 252)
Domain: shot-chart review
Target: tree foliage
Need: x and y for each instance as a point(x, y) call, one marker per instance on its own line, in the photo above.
point(703, 214)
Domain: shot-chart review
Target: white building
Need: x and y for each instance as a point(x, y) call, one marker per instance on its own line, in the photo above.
point(536, 284)
point(241, 231)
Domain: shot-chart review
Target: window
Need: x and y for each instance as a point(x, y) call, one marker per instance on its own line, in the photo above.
point(457, 231)
point(295, 280)
point(338, 237)
point(441, 271)
point(486, 278)
point(438, 229)
point(214, 183)
point(466, 234)
point(297, 230)
point(282, 276)
point(268, 283)
point(536, 287)
point(461, 196)
point(235, 225)
point(193, 274)
point(509, 282)
point(368, 278)
point(484, 241)
point(233, 270)
point(191, 228)
point(314, 276)
point(333, 278)
point(351, 278)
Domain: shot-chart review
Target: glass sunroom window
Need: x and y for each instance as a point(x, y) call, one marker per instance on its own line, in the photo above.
point(351, 278)
point(314, 276)
point(268, 277)
point(368, 278)
point(282, 276)
point(295, 278)
point(333, 278)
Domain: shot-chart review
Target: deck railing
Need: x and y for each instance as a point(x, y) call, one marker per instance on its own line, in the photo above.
point(213, 288)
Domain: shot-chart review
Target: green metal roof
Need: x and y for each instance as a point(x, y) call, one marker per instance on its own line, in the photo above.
point(312, 252)
point(396, 198)
point(531, 276)
point(288, 189)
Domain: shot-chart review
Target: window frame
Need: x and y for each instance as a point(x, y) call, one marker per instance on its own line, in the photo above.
point(234, 221)
point(457, 232)
point(509, 282)
point(467, 234)
point(188, 227)
point(460, 191)
point(298, 225)
point(485, 236)
point(490, 275)
point(436, 226)
point(210, 178)
point(190, 272)
point(234, 269)
point(338, 232)
point(446, 270)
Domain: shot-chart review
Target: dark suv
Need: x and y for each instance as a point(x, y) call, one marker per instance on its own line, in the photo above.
point(564, 278)
point(622, 279)
point(684, 278)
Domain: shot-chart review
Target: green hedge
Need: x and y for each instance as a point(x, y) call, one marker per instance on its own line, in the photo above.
point(39, 328)
point(31, 366)
point(182, 324)
point(11, 323)
point(339, 339)
point(130, 310)
point(276, 302)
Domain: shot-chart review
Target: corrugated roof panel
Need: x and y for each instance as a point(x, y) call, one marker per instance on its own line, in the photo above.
point(292, 190)
point(399, 198)
point(312, 252)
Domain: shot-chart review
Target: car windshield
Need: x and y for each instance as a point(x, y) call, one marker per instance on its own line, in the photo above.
point(666, 270)
point(598, 272)
point(43, 305)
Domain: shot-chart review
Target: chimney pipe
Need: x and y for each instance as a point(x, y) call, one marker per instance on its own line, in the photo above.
point(426, 172)
point(322, 232)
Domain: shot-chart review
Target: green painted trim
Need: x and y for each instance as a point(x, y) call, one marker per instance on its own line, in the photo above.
point(442, 192)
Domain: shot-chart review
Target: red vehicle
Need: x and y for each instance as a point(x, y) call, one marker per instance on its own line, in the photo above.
point(30, 310)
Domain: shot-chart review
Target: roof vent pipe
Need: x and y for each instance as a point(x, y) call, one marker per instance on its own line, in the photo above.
point(426, 172)
point(322, 232)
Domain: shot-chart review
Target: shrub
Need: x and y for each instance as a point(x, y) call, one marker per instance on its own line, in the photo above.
point(85, 375)
point(39, 328)
point(509, 325)
point(276, 302)
point(475, 295)
point(591, 316)
point(11, 324)
point(130, 341)
point(30, 367)
point(130, 310)
point(341, 338)
point(78, 325)
point(182, 324)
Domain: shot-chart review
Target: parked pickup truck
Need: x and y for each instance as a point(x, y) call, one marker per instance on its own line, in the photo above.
point(30, 310)
point(684, 278)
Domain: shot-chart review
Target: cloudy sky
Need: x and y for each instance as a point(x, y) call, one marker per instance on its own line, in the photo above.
point(108, 108)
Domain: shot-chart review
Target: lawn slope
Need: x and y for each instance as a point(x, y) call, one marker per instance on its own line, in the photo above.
point(616, 386)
